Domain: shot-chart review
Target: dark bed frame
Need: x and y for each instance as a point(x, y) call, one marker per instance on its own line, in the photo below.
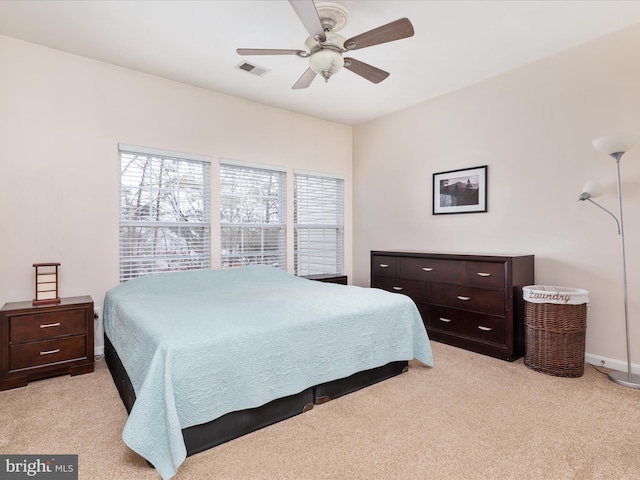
point(235, 424)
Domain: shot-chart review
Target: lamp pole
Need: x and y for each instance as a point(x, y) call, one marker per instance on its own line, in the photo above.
point(615, 147)
point(630, 379)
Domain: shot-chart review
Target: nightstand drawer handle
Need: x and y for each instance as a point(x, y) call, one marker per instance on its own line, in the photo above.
point(50, 325)
point(464, 299)
point(484, 329)
point(481, 274)
point(445, 320)
point(427, 269)
point(397, 289)
point(49, 352)
point(384, 265)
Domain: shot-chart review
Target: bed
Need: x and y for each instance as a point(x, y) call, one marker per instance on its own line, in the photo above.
point(201, 357)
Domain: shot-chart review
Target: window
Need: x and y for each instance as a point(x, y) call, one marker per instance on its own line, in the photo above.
point(318, 224)
point(252, 215)
point(164, 212)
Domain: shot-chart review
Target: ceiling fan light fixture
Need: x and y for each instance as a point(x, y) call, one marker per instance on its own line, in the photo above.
point(324, 47)
point(326, 57)
point(326, 62)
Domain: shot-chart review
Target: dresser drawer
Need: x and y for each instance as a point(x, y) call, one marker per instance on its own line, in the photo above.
point(486, 274)
point(431, 270)
point(475, 299)
point(49, 351)
point(446, 319)
point(24, 328)
point(414, 289)
point(383, 265)
point(486, 328)
point(480, 327)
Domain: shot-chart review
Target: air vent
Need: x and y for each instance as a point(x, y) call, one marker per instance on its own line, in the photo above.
point(253, 69)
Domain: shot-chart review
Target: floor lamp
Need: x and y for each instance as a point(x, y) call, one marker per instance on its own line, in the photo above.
point(616, 146)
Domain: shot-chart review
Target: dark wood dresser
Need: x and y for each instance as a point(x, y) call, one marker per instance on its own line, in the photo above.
point(467, 300)
point(45, 340)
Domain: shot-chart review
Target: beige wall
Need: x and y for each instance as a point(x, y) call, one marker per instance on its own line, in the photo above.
point(62, 116)
point(61, 119)
point(533, 128)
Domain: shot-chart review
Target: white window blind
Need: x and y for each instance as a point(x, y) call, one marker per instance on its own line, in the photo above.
point(252, 215)
point(164, 212)
point(318, 224)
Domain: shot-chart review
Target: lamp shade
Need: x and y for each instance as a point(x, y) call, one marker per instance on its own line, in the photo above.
point(593, 188)
point(616, 143)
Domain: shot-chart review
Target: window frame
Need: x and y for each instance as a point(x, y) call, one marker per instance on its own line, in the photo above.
point(324, 231)
point(186, 190)
point(270, 233)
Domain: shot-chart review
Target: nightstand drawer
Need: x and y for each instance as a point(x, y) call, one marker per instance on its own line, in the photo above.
point(23, 328)
point(50, 351)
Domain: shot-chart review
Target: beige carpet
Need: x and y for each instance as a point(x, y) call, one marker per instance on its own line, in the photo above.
point(469, 417)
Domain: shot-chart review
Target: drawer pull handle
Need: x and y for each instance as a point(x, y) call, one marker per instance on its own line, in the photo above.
point(57, 324)
point(464, 299)
point(445, 320)
point(484, 329)
point(384, 265)
point(481, 274)
point(427, 269)
point(397, 289)
point(49, 352)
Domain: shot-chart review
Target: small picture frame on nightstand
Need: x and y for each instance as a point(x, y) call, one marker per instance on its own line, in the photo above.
point(46, 283)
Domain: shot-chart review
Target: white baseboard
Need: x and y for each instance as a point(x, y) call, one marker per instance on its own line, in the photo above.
point(611, 363)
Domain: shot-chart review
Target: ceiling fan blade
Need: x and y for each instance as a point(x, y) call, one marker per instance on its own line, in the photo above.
point(365, 70)
point(268, 51)
point(397, 30)
point(305, 80)
point(308, 15)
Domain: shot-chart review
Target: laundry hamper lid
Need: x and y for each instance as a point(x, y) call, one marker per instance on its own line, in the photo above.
point(552, 294)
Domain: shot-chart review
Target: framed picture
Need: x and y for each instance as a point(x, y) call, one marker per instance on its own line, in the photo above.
point(460, 191)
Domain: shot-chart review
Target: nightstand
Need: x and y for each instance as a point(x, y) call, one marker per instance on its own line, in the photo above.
point(328, 277)
point(41, 341)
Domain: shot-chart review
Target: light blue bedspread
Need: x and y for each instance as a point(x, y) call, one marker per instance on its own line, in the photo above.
point(200, 344)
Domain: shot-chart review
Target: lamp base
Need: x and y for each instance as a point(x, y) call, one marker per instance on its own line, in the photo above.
point(625, 379)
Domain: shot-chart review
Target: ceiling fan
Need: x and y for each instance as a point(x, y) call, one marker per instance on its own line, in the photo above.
point(325, 47)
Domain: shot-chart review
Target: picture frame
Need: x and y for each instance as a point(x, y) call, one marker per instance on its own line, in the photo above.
point(460, 191)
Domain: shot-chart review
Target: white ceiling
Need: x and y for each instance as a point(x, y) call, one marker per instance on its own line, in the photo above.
point(456, 43)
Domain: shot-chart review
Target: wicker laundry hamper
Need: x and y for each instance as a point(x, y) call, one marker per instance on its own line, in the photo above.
point(556, 323)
